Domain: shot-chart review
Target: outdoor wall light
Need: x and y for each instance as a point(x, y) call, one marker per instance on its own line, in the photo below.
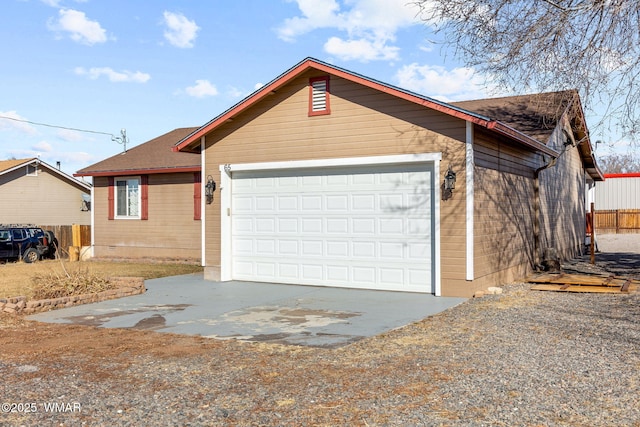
point(450, 180)
point(209, 188)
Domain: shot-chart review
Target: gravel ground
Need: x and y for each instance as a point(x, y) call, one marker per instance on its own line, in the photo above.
point(523, 358)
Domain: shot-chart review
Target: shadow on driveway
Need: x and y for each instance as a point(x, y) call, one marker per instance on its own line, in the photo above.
point(267, 312)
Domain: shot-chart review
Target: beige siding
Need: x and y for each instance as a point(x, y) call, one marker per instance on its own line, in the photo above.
point(44, 198)
point(170, 232)
point(562, 195)
point(363, 122)
point(505, 209)
point(503, 235)
point(493, 152)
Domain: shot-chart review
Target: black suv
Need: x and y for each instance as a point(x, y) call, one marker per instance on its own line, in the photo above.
point(28, 242)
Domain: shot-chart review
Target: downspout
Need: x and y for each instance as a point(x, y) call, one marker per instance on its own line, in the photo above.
point(536, 210)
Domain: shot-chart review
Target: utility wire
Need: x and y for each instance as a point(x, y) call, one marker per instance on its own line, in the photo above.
point(57, 127)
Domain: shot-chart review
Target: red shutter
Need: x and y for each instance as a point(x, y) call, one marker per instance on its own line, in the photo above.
point(144, 197)
point(197, 195)
point(110, 198)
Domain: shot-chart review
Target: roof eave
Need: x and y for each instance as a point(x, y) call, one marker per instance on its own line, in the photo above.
point(151, 171)
point(522, 138)
point(64, 175)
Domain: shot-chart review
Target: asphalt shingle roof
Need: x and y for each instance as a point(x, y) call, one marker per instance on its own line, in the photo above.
point(156, 154)
point(534, 115)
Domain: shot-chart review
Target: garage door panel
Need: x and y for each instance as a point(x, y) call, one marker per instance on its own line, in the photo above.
point(288, 225)
point(288, 271)
point(367, 227)
point(312, 248)
point(288, 203)
point(337, 249)
point(336, 225)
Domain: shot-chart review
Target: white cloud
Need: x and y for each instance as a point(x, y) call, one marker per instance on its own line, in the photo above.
point(113, 76)
point(70, 135)
point(56, 3)
point(42, 146)
point(370, 25)
point(446, 85)
point(180, 32)
point(10, 120)
point(201, 89)
point(80, 28)
point(234, 92)
point(363, 50)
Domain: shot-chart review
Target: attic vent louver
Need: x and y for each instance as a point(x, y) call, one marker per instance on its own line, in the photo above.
point(319, 96)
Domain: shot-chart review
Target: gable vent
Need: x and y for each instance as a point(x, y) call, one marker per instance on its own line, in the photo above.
point(319, 96)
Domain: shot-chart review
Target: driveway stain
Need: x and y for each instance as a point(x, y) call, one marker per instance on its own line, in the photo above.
point(146, 323)
point(157, 321)
point(293, 320)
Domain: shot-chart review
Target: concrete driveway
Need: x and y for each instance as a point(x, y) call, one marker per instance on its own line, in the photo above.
point(276, 313)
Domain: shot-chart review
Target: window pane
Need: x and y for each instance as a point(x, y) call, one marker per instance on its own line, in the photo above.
point(133, 197)
point(121, 198)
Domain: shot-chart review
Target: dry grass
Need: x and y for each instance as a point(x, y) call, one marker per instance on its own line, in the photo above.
point(78, 282)
point(53, 276)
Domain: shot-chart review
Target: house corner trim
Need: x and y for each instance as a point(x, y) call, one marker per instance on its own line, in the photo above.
point(469, 170)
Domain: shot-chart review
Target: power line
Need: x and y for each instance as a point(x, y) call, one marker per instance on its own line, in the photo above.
point(57, 127)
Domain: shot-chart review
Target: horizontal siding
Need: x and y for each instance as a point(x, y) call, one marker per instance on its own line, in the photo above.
point(504, 216)
point(170, 231)
point(493, 153)
point(618, 193)
point(563, 207)
point(40, 199)
point(363, 122)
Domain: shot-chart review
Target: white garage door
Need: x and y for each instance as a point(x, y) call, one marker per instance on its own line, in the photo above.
point(361, 227)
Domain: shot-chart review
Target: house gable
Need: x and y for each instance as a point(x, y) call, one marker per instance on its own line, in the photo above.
point(34, 192)
point(191, 142)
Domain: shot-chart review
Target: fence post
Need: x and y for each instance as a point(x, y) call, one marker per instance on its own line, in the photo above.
point(593, 233)
point(617, 221)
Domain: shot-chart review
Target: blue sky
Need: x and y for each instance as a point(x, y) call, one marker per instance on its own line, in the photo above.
point(153, 66)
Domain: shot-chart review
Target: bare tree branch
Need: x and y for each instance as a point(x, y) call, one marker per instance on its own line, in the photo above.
point(592, 46)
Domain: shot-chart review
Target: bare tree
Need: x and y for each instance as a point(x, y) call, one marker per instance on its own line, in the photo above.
point(619, 163)
point(549, 45)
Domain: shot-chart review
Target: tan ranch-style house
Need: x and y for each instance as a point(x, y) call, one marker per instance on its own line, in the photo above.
point(146, 202)
point(326, 177)
point(329, 178)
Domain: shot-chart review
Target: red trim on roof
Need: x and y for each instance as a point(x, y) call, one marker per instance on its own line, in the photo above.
point(140, 171)
point(622, 175)
point(311, 64)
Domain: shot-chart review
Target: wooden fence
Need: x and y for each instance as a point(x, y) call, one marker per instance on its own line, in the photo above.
point(617, 221)
point(65, 236)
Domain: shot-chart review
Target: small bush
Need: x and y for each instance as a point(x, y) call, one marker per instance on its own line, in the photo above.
point(54, 285)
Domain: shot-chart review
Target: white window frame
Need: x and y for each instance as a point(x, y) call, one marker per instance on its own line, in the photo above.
point(116, 197)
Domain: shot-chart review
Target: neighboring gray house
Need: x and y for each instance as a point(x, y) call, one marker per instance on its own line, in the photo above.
point(34, 192)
